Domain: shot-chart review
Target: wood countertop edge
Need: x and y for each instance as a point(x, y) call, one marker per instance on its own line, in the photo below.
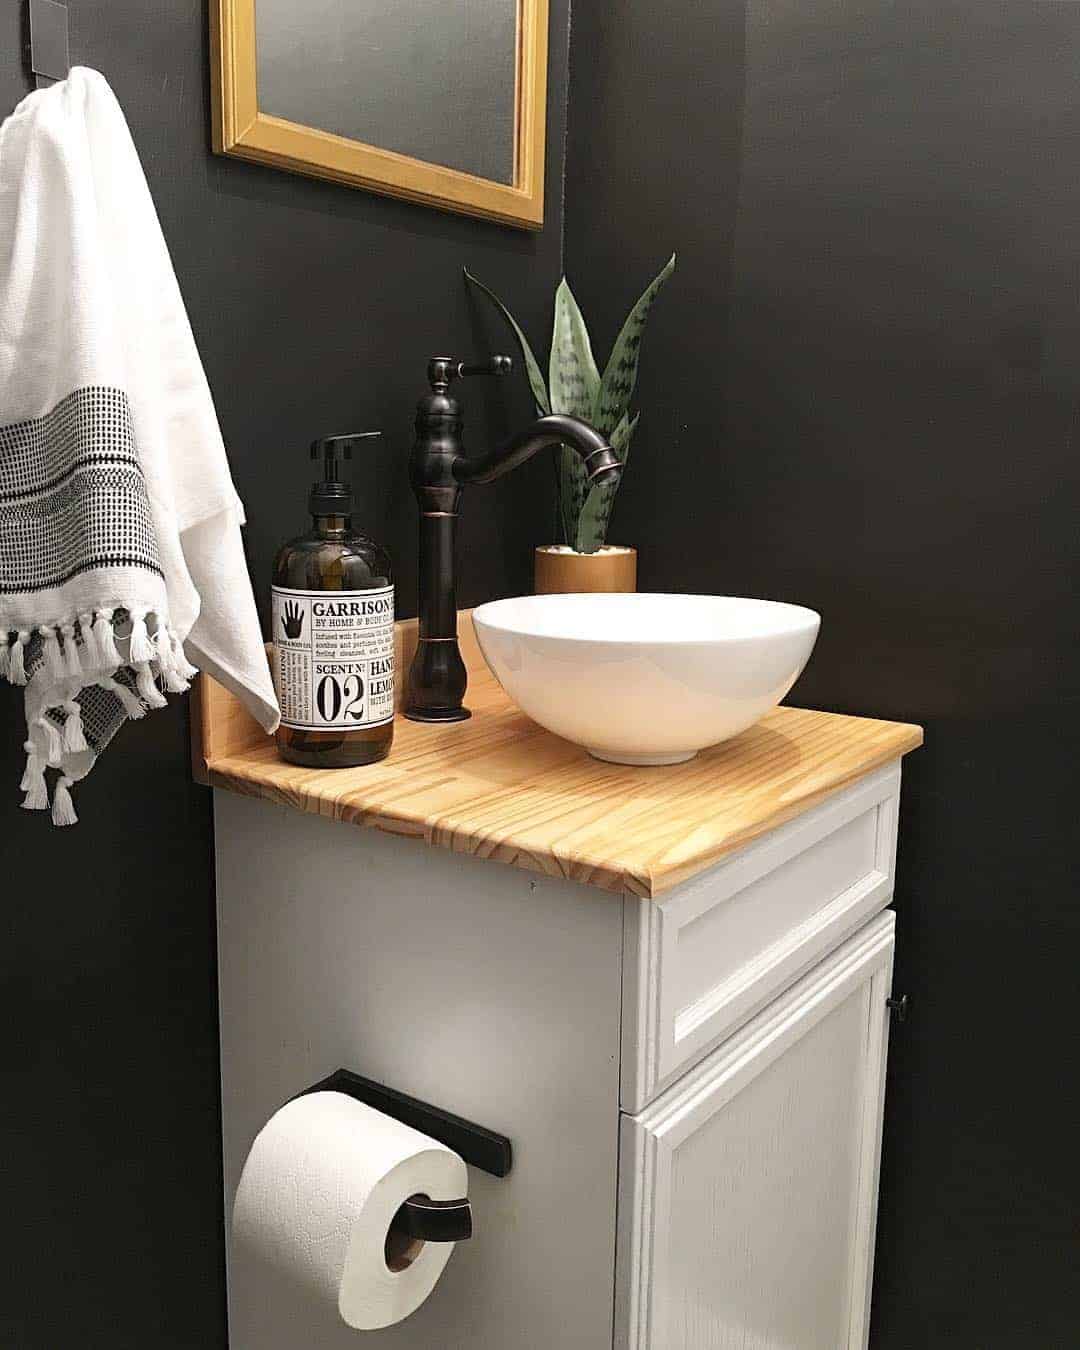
point(238, 774)
point(675, 875)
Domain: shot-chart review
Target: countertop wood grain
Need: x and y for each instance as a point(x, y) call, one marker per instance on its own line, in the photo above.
point(500, 787)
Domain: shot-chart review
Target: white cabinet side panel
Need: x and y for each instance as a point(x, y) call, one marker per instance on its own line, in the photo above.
point(468, 984)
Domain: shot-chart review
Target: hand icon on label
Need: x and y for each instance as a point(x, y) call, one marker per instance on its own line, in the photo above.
point(292, 621)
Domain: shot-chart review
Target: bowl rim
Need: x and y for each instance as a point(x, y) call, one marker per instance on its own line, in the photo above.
point(809, 620)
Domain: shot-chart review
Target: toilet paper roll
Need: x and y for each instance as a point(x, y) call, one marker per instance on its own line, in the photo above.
point(322, 1182)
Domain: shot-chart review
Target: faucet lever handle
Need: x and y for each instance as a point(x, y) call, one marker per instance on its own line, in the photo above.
point(442, 370)
point(498, 365)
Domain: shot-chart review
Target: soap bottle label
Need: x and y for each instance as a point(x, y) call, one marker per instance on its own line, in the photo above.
point(334, 658)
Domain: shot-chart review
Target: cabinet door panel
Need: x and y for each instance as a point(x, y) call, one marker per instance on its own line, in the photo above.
point(701, 961)
point(748, 1190)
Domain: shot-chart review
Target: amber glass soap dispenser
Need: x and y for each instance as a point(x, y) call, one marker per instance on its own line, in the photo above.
point(333, 619)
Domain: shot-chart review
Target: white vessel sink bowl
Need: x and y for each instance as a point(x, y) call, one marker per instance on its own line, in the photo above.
point(645, 679)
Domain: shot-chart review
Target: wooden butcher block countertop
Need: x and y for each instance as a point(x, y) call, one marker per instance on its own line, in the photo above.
point(500, 787)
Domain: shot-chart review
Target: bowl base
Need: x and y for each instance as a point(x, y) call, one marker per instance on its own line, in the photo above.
point(610, 757)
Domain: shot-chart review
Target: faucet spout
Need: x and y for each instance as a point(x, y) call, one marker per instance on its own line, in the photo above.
point(439, 470)
point(600, 461)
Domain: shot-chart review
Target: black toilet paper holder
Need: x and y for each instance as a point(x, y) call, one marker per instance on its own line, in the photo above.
point(420, 1218)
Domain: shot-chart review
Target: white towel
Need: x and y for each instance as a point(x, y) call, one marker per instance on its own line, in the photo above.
point(120, 554)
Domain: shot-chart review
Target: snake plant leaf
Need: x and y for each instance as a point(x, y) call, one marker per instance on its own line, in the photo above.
point(620, 374)
point(532, 368)
point(622, 436)
point(573, 489)
point(573, 378)
point(596, 509)
point(574, 382)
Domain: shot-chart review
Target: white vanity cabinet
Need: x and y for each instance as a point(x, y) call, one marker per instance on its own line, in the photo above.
point(748, 1189)
point(682, 1026)
point(753, 1063)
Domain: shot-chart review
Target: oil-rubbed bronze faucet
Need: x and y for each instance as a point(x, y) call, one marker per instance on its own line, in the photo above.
point(438, 470)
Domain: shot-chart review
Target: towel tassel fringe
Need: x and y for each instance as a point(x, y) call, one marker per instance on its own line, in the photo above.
point(106, 641)
point(63, 809)
point(72, 663)
point(174, 680)
point(74, 736)
point(53, 740)
point(91, 655)
point(17, 672)
point(144, 682)
point(53, 656)
point(142, 649)
point(33, 780)
point(184, 668)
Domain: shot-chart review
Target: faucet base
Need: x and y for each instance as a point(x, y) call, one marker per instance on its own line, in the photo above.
point(437, 677)
point(438, 714)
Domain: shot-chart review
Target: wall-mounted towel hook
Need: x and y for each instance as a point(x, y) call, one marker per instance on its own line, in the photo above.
point(49, 54)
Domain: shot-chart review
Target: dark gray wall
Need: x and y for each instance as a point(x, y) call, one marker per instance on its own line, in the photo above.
point(860, 391)
point(316, 309)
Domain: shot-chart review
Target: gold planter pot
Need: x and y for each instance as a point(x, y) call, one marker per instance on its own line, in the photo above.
point(559, 570)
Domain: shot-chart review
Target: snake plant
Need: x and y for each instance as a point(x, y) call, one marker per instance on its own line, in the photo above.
point(575, 386)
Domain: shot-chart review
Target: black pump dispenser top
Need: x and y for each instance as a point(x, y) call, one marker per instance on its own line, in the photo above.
point(333, 496)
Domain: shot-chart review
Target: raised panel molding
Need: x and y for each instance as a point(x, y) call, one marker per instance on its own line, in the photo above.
point(752, 1181)
point(701, 961)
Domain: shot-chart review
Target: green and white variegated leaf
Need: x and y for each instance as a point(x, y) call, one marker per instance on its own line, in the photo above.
point(596, 511)
point(621, 372)
point(623, 435)
point(574, 382)
point(573, 489)
point(532, 367)
point(573, 378)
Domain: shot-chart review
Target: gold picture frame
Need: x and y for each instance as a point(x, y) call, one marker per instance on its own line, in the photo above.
point(240, 129)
